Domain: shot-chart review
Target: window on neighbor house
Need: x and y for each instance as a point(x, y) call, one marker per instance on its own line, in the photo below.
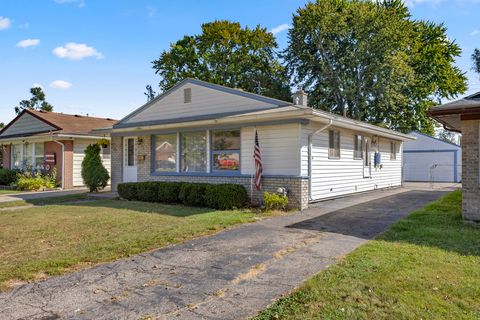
point(28, 156)
point(17, 156)
point(334, 144)
point(166, 152)
point(393, 150)
point(130, 154)
point(226, 150)
point(357, 147)
point(193, 151)
point(39, 155)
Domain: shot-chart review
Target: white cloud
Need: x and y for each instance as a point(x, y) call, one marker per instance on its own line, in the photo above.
point(412, 3)
point(5, 23)
point(28, 43)
point(60, 84)
point(37, 85)
point(81, 3)
point(280, 28)
point(24, 26)
point(77, 51)
point(475, 32)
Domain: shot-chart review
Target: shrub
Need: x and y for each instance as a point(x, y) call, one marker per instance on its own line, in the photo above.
point(215, 196)
point(128, 191)
point(226, 196)
point(8, 176)
point(273, 201)
point(36, 181)
point(169, 192)
point(94, 174)
point(193, 194)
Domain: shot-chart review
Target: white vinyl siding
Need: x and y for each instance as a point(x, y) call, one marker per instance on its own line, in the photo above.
point(204, 101)
point(27, 124)
point(337, 177)
point(79, 146)
point(280, 149)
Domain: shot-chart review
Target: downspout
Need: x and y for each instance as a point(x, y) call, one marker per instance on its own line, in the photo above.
point(310, 157)
point(63, 160)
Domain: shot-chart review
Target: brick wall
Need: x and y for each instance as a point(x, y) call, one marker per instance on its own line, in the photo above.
point(297, 187)
point(470, 170)
point(117, 162)
point(68, 158)
point(6, 156)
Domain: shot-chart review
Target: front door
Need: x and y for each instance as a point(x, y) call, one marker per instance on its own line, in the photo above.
point(366, 159)
point(129, 162)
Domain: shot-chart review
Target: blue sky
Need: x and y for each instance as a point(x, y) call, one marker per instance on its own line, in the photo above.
point(93, 56)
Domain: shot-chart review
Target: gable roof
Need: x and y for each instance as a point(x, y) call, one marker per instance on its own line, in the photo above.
point(59, 123)
point(434, 139)
point(237, 92)
point(450, 114)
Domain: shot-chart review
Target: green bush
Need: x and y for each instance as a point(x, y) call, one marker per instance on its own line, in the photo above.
point(36, 181)
point(215, 196)
point(226, 196)
point(169, 192)
point(193, 194)
point(128, 191)
point(94, 174)
point(8, 176)
point(273, 201)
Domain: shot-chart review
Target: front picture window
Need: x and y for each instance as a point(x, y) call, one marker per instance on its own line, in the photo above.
point(166, 152)
point(226, 150)
point(194, 149)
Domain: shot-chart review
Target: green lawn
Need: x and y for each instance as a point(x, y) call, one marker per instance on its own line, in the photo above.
point(426, 266)
point(53, 239)
point(2, 192)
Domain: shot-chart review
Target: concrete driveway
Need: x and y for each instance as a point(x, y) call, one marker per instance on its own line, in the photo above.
point(230, 275)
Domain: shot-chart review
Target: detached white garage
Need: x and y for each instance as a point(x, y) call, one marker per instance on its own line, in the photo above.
point(431, 160)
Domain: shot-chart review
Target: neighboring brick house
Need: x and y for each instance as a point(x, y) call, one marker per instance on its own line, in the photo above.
point(202, 132)
point(46, 140)
point(464, 116)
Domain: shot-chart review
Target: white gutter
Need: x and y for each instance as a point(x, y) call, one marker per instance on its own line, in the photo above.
point(310, 156)
point(63, 160)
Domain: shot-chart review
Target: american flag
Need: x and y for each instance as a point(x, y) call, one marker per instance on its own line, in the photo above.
point(257, 155)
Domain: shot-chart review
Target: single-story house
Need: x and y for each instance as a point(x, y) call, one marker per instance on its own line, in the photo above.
point(430, 159)
point(203, 132)
point(46, 140)
point(464, 116)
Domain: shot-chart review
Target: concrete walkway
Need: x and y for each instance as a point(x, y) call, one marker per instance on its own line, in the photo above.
point(39, 195)
point(230, 275)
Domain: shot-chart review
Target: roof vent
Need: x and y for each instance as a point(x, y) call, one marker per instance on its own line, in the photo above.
point(300, 98)
point(187, 95)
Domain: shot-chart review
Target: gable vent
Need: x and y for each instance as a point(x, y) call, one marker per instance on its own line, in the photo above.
point(187, 95)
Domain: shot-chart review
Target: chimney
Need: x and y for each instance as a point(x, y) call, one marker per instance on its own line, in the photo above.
point(300, 98)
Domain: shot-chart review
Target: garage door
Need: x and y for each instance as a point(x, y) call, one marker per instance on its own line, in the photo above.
point(429, 166)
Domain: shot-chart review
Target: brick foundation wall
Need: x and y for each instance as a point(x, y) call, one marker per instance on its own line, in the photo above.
point(6, 156)
point(297, 187)
point(470, 170)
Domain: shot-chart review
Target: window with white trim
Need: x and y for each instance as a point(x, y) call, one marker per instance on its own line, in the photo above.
point(393, 150)
point(357, 147)
point(334, 144)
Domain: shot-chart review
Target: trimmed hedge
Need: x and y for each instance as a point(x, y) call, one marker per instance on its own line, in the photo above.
point(216, 196)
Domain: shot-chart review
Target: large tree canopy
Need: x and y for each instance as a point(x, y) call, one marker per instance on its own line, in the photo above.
point(36, 102)
point(370, 61)
point(227, 54)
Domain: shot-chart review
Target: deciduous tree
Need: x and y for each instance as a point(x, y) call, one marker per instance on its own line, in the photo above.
point(228, 54)
point(36, 102)
point(370, 61)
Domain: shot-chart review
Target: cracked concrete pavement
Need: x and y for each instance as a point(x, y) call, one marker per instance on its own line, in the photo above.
point(229, 275)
